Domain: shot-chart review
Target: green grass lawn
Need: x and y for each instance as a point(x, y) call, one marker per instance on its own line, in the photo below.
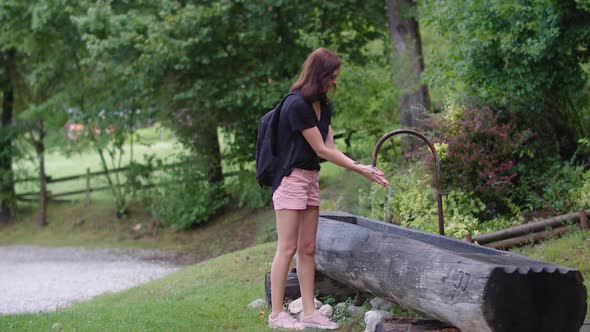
point(211, 296)
point(155, 140)
point(97, 226)
point(571, 250)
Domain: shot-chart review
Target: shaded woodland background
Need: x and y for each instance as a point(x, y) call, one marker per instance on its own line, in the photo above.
point(501, 87)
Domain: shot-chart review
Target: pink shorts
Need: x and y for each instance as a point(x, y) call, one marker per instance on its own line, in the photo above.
point(298, 190)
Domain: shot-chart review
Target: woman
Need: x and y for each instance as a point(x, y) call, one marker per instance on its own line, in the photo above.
point(305, 122)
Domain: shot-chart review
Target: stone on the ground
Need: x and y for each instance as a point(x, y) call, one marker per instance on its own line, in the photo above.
point(356, 311)
point(327, 310)
point(340, 306)
point(257, 304)
point(381, 304)
point(373, 317)
point(296, 306)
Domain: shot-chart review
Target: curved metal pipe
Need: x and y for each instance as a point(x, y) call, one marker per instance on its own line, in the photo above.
point(439, 194)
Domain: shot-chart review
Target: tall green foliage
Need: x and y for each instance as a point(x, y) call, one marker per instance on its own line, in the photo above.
point(43, 38)
point(39, 36)
point(226, 62)
point(204, 66)
point(520, 55)
point(365, 102)
point(108, 91)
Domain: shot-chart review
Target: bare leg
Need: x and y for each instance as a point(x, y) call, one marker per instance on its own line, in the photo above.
point(306, 257)
point(287, 229)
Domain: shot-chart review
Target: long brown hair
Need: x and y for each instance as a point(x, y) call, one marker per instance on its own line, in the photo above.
point(316, 74)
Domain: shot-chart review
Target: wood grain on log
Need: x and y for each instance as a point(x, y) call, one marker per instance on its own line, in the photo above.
point(474, 288)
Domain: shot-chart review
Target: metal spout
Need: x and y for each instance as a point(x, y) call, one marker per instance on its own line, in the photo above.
point(439, 194)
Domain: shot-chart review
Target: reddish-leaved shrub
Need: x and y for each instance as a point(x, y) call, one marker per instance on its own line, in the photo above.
point(479, 149)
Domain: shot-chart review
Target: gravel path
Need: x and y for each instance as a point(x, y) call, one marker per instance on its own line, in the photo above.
point(34, 278)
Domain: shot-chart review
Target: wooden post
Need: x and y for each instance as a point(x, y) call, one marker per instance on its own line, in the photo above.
point(563, 220)
point(88, 186)
point(468, 238)
point(529, 238)
point(43, 194)
point(583, 220)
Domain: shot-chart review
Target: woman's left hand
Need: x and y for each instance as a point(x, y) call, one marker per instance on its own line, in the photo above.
point(374, 174)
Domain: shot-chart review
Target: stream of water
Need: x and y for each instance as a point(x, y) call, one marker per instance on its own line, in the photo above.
point(387, 216)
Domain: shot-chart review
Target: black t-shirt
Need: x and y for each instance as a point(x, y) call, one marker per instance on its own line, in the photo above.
point(296, 115)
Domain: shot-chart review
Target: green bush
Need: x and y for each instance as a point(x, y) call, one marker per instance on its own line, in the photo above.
point(364, 103)
point(412, 203)
point(555, 187)
point(245, 191)
point(559, 192)
point(461, 210)
point(139, 175)
point(409, 202)
point(184, 197)
point(581, 195)
point(491, 171)
point(479, 150)
point(525, 56)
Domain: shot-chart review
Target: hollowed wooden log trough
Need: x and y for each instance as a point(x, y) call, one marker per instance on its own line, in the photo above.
point(474, 288)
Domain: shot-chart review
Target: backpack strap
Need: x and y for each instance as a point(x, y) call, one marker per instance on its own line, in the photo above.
point(275, 126)
point(291, 152)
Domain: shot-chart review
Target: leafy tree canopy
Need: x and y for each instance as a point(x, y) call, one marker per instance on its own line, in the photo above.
point(43, 40)
point(525, 56)
point(512, 52)
point(226, 62)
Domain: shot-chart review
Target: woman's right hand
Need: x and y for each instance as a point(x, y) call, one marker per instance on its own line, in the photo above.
point(374, 174)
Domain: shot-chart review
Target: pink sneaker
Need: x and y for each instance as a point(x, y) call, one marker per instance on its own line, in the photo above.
point(317, 321)
point(284, 321)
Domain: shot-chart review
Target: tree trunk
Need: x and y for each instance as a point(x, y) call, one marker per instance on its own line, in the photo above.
point(474, 288)
point(207, 146)
point(7, 192)
point(414, 102)
point(40, 149)
point(118, 195)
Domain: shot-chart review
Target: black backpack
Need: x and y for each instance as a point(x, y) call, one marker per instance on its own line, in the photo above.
point(266, 147)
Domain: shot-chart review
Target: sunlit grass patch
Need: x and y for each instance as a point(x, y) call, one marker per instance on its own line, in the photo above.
point(155, 140)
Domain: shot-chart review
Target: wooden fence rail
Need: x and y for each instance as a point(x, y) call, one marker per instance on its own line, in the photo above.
point(50, 179)
point(31, 195)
